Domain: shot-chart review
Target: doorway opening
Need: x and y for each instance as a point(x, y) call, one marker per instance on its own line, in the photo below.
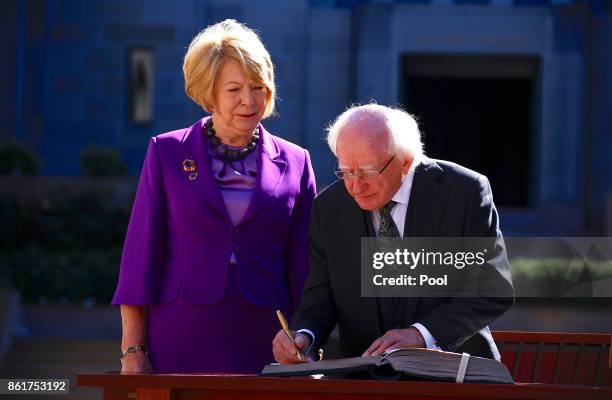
point(480, 112)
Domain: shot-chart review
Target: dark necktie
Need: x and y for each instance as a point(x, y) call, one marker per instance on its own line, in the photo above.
point(387, 229)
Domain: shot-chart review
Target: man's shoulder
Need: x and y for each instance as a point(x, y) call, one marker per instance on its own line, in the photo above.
point(333, 198)
point(333, 192)
point(450, 172)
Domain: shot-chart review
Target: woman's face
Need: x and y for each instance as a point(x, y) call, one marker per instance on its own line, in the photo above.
point(239, 103)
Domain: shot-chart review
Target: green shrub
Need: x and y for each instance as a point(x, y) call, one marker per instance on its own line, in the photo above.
point(78, 221)
point(555, 278)
point(62, 247)
point(57, 275)
point(102, 162)
point(18, 159)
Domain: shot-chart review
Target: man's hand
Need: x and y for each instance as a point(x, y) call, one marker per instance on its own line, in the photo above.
point(285, 352)
point(136, 363)
point(395, 339)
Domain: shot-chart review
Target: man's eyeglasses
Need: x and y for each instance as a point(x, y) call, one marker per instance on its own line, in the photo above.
point(368, 175)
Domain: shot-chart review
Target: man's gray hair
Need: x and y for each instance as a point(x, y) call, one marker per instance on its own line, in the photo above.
point(402, 126)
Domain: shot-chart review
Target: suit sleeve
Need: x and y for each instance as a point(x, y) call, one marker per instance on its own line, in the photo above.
point(297, 252)
point(317, 310)
point(143, 252)
point(454, 322)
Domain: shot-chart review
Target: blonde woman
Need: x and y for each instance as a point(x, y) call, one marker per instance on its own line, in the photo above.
point(217, 240)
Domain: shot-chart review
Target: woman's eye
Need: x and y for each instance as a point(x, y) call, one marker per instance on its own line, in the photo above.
point(232, 89)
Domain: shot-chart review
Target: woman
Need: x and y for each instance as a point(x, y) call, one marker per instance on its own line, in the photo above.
point(217, 239)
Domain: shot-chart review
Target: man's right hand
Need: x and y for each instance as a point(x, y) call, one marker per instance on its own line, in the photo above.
point(285, 352)
point(136, 363)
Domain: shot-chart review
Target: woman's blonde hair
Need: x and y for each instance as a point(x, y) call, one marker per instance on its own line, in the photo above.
point(212, 47)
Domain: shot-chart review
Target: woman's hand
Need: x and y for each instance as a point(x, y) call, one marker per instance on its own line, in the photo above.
point(136, 363)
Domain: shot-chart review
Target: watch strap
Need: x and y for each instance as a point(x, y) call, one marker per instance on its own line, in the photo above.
point(134, 349)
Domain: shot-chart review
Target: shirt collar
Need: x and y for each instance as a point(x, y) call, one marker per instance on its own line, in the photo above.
point(403, 193)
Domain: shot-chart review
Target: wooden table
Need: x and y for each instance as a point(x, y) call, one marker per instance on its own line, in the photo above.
point(219, 387)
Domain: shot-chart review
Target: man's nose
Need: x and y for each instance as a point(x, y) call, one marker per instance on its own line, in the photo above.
point(358, 184)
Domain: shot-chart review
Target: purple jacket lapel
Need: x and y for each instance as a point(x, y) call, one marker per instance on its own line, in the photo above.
point(196, 148)
point(270, 173)
point(271, 169)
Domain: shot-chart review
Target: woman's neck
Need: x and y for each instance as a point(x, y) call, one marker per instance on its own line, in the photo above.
point(235, 139)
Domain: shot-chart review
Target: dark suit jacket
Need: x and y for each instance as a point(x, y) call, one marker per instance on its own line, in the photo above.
point(446, 200)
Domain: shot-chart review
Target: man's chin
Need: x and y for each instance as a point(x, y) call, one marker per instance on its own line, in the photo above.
point(368, 204)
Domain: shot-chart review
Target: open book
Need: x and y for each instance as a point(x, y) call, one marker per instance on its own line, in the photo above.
point(397, 364)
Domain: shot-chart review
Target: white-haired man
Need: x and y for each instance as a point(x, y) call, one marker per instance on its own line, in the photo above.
point(388, 186)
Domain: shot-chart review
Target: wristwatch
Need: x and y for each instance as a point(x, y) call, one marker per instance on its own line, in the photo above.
point(134, 349)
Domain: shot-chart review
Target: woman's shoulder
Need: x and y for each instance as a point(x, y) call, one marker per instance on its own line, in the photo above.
point(286, 150)
point(171, 136)
point(284, 146)
point(176, 136)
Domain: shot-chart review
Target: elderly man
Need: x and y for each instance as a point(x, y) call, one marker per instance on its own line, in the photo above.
point(389, 188)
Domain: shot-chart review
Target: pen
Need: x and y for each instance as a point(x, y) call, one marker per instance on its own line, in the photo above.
point(283, 323)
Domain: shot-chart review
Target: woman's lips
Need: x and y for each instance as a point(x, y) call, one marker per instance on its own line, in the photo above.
point(247, 115)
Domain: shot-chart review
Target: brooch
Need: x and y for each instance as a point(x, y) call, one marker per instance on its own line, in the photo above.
point(190, 166)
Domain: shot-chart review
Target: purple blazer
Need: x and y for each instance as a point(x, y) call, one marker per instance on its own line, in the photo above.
point(180, 237)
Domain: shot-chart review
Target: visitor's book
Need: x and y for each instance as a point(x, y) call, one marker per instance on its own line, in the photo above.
point(414, 363)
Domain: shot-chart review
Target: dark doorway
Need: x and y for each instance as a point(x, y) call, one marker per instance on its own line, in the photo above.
point(479, 112)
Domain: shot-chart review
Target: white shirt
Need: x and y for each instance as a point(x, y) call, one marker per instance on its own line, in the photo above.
point(398, 214)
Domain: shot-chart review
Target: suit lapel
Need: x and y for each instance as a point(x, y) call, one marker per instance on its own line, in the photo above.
point(427, 196)
point(362, 227)
point(271, 169)
point(196, 149)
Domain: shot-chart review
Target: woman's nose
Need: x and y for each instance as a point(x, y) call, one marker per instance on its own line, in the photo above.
point(247, 96)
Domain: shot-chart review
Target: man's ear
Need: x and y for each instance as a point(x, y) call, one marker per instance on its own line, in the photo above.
point(406, 164)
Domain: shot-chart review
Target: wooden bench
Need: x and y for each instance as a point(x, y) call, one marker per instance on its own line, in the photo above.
point(557, 358)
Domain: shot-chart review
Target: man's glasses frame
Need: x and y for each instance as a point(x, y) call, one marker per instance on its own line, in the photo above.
point(368, 175)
